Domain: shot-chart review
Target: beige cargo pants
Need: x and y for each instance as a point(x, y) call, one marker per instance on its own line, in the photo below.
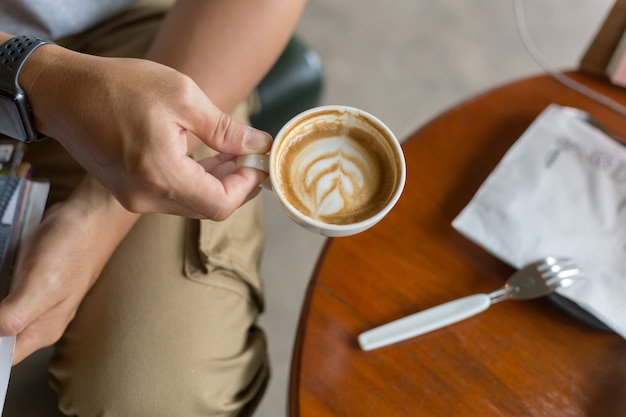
point(169, 329)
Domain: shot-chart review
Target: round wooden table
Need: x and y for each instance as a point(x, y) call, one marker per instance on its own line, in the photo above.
point(525, 358)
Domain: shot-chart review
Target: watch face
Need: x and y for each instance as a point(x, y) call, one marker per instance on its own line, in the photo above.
point(10, 119)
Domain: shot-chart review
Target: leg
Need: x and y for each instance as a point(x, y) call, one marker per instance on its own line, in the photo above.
point(161, 337)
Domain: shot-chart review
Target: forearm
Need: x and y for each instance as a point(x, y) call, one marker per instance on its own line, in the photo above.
point(226, 47)
point(103, 216)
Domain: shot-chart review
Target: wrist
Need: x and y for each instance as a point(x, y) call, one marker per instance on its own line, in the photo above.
point(36, 65)
point(94, 198)
point(38, 77)
point(99, 212)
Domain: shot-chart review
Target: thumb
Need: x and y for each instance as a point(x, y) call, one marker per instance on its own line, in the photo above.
point(226, 135)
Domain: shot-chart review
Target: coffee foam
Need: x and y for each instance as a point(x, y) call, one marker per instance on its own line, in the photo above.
point(338, 175)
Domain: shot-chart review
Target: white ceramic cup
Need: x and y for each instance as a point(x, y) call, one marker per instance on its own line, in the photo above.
point(335, 170)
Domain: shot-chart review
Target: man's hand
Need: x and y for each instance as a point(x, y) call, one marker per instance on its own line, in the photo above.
point(127, 121)
point(58, 264)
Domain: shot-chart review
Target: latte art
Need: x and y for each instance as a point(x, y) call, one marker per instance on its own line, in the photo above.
point(337, 176)
point(335, 171)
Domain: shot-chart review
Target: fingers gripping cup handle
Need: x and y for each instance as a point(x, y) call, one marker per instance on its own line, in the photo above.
point(257, 161)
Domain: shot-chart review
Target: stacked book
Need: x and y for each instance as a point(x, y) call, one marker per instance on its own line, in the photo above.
point(22, 203)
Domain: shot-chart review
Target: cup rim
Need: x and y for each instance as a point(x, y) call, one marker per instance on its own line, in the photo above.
point(362, 224)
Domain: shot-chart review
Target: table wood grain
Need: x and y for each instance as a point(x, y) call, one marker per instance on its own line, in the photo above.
point(527, 358)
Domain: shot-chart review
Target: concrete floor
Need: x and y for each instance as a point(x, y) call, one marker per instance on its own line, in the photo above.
point(405, 61)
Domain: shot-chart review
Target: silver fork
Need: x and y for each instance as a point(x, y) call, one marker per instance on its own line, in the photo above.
point(532, 281)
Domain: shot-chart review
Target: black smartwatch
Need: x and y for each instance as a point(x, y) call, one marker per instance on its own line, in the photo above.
point(16, 117)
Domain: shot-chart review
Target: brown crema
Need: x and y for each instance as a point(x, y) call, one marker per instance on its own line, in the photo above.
point(337, 173)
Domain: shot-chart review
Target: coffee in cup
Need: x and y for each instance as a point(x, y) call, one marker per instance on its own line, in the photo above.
point(335, 170)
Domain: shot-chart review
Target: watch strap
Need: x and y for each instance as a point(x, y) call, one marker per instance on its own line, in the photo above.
point(13, 54)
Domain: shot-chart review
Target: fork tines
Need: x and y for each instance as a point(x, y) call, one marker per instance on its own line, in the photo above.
point(559, 271)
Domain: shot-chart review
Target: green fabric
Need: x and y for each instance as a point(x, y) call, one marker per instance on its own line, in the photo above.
point(293, 85)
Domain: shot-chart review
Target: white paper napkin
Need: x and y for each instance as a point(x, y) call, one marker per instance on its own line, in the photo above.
point(560, 190)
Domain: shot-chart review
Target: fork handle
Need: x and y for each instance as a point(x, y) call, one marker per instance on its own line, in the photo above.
point(424, 321)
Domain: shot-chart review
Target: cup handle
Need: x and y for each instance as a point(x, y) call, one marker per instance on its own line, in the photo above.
point(257, 161)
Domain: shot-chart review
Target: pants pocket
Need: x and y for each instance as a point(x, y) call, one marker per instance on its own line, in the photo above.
point(235, 244)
